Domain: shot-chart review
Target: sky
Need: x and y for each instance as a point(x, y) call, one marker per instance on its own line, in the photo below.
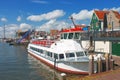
point(48, 14)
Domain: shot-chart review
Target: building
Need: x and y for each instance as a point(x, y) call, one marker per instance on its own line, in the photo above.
point(54, 34)
point(101, 20)
point(113, 19)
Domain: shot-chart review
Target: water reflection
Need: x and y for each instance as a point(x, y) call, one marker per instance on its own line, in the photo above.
point(17, 64)
point(41, 68)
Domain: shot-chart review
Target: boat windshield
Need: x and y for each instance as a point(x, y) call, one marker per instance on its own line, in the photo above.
point(65, 35)
point(72, 35)
point(77, 36)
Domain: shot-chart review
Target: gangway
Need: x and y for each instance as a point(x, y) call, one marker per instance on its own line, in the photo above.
point(25, 35)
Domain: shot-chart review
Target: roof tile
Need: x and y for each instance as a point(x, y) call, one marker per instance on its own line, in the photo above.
point(100, 14)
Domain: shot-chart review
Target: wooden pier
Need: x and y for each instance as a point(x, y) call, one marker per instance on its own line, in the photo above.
point(107, 75)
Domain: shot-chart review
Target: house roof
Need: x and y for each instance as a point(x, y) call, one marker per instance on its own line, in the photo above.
point(117, 14)
point(100, 14)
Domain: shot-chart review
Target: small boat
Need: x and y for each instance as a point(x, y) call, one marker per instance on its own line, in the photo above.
point(11, 43)
point(65, 54)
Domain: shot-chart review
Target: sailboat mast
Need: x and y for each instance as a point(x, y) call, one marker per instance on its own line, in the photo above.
point(4, 31)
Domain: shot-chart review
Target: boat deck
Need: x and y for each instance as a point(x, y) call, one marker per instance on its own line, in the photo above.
point(45, 43)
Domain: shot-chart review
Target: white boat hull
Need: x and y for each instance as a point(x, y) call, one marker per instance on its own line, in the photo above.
point(59, 66)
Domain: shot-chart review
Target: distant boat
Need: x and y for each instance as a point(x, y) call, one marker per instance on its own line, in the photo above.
point(65, 55)
point(11, 43)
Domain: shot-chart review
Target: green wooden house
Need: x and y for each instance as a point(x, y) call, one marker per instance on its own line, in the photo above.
point(97, 20)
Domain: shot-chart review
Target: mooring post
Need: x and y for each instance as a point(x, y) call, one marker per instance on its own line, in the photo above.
point(63, 76)
point(107, 61)
point(111, 62)
point(99, 61)
point(91, 64)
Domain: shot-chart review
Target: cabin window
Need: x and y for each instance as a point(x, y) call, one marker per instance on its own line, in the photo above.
point(41, 51)
point(55, 56)
point(70, 55)
point(77, 35)
point(49, 53)
point(61, 56)
point(65, 36)
point(70, 36)
point(38, 50)
point(79, 54)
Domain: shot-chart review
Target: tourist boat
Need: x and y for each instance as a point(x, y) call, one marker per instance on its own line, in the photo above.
point(65, 54)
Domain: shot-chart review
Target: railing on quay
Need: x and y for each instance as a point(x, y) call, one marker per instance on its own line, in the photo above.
point(101, 35)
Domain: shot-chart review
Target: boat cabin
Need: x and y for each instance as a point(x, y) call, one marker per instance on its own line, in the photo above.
point(61, 50)
point(59, 56)
point(72, 33)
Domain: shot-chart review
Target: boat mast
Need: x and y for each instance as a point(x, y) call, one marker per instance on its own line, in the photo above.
point(72, 21)
point(4, 32)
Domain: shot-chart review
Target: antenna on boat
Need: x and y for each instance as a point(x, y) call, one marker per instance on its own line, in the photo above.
point(71, 17)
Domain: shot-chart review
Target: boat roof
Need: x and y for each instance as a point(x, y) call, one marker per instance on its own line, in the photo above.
point(62, 46)
point(66, 46)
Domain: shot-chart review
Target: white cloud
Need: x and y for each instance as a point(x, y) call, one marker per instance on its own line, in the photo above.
point(3, 19)
point(25, 27)
point(10, 30)
point(53, 24)
point(116, 9)
point(40, 1)
point(19, 18)
point(46, 16)
point(82, 15)
point(85, 15)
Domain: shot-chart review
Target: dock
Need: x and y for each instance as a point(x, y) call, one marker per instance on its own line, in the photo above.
point(107, 75)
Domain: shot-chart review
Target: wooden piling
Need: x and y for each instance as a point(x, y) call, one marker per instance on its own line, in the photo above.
point(111, 62)
point(99, 61)
point(63, 76)
point(91, 64)
point(107, 61)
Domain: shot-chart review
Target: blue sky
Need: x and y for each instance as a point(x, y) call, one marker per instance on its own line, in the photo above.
point(49, 14)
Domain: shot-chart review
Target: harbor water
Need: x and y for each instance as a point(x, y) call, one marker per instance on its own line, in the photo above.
point(17, 64)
